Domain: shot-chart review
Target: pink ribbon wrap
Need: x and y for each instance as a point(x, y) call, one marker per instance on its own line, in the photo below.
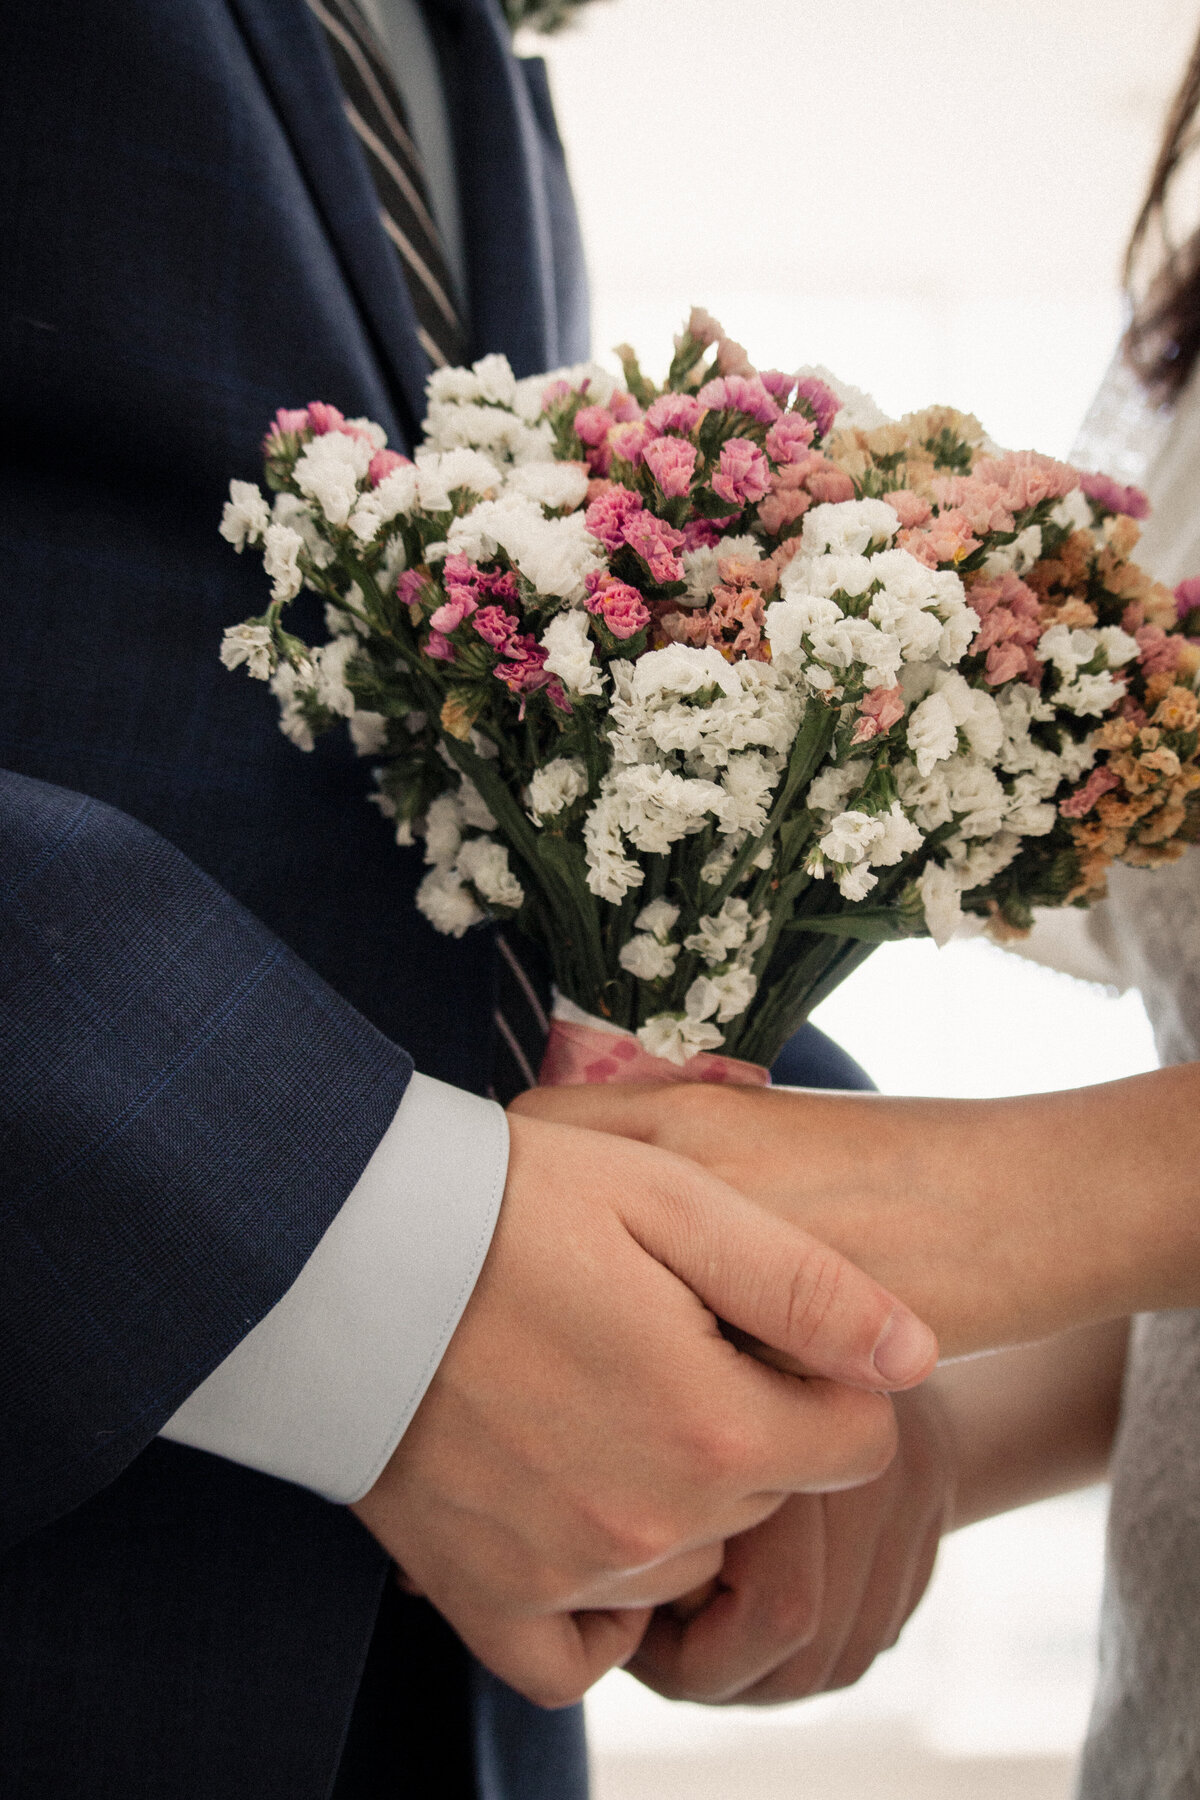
point(579, 1054)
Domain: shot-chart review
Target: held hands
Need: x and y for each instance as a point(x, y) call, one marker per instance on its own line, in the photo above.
point(591, 1439)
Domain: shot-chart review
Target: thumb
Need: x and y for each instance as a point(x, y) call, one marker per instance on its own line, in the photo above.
point(773, 1281)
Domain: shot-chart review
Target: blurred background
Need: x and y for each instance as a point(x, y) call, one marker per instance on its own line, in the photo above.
point(931, 197)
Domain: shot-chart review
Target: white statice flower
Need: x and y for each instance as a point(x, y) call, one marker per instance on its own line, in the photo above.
point(856, 883)
point(298, 516)
point(572, 653)
point(749, 780)
point(701, 574)
point(830, 574)
point(493, 429)
point(646, 958)
point(916, 630)
point(659, 917)
point(329, 662)
point(484, 863)
point(395, 495)
point(281, 560)
point(249, 644)
point(976, 864)
point(555, 786)
point(451, 386)
point(368, 732)
point(926, 797)
point(329, 469)
point(829, 791)
point(555, 555)
point(591, 379)
point(717, 866)
point(1017, 557)
point(246, 515)
point(848, 526)
point(974, 712)
point(718, 935)
point(1028, 811)
point(611, 872)
point(1090, 695)
point(932, 732)
point(561, 486)
point(475, 809)
point(444, 824)
point(751, 705)
point(940, 896)
point(448, 903)
point(679, 1038)
point(290, 689)
point(898, 837)
point(1067, 649)
point(723, 996)
point(442, 473)
point(496, 381)
point(976, 796)
point(656, 807)
point(850, 837)
point(1117, 645)
point(1073, 512)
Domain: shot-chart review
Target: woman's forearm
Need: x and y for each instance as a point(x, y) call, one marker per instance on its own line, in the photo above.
point(1033, 1421)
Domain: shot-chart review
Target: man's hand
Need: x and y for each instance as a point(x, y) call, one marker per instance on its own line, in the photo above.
point(591, 1438)
point(808, 1599)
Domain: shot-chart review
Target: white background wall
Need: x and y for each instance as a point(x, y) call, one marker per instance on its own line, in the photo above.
point(931, 197)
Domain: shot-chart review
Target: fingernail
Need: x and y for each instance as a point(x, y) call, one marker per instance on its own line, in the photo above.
point(906, 1349)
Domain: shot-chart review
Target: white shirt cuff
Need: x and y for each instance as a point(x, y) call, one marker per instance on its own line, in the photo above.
point(323, 1388)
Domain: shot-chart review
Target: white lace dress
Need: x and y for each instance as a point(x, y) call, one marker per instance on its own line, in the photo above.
point(1144, 1738)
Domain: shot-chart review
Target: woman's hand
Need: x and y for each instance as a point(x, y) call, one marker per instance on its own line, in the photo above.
point(807, 1600)
point(997, 1221)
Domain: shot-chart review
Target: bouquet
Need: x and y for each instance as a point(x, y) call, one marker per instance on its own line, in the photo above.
point(715, 685)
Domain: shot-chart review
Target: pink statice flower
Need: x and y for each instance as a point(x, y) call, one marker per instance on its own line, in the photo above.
point(288, 422)
point(1077, 805)
point(628, 441)
point(735, 617)
point(739, 393)
point(830, 485)
point(554, 393)
point(819, 401)
point(450, 615)
point(656, 543)
point(1157, 653)
point(1187, 598)
point(789, 438)
point(985, 503)
point(382, 464)
point(911, 509)
point(744, 475)
point(620, 606)
point(608, 515)
point(593, 424)
point(439, 647)
point(788, 500)
point(410, 588)
point(674, 412)
point(672, 462)
point(496, 627)
point(706, 534)
point(623, 407)
point(1114, 498)
point(880, 709)
point(1027, 477)
point(1010, 626)
point(777, 384)
point(946, 539)
point(523, 672)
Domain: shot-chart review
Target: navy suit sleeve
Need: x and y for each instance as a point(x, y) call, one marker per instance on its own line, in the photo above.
point(185, 1106)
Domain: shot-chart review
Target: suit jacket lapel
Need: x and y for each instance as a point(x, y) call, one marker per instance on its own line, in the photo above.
point(506, 222)
point(297, 71)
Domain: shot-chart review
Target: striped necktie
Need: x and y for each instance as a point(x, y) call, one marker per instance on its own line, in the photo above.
point(375, 113)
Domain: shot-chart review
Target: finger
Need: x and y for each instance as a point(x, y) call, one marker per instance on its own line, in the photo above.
point(767, 1607)
point(554, 1660)
point(769, 1278)
point(658, 1586)
point(854, 1530)
point(879, 1624)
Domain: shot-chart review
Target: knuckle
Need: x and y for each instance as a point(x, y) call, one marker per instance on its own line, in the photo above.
point(812, 1295)
point(630, 1538)
point(721, 1449)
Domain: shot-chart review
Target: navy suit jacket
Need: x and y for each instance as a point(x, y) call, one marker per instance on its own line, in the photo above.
point(208, 953)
